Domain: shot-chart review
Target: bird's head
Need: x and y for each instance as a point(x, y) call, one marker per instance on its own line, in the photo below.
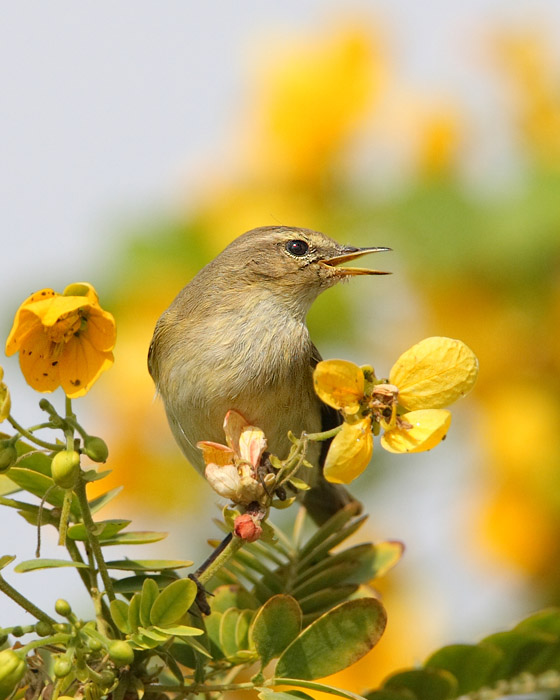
point(295, 263)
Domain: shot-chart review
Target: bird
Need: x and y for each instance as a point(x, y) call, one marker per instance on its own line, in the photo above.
point(235, 337)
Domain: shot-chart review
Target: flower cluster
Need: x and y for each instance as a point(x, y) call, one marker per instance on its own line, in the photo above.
point(409, 406)
point(232, 470)
point(63, 339)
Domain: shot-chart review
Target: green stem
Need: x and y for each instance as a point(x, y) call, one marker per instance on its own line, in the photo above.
point(45, 641)
point(234, 545)
point(326, 435)
point(23, 602)
point(201, 688)
point(92, 538)
point(29, 436)
point(64, 516)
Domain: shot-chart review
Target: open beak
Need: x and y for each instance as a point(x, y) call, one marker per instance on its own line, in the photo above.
point(350, 253)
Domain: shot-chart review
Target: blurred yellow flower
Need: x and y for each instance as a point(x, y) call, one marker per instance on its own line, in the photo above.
point(5, 402)
point(232, 470)
point(63, 339)
point(311, 103)
point(431, 374)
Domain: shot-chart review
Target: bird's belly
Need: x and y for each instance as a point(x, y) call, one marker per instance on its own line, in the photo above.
point(275, 409)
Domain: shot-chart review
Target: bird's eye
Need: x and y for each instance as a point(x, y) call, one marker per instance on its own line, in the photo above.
point(297, 247)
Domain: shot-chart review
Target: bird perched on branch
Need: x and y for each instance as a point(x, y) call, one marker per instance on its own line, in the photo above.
point(235, 338)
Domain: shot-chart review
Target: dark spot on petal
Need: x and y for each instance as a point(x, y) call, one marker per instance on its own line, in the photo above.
point(75, 382)
point(45, 374)
point(54, 364)
point(43, 294)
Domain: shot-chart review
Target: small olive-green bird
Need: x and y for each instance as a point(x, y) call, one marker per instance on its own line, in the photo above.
point(235, 338)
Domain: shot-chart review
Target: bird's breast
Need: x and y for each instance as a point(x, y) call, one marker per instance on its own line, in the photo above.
point(264, 371)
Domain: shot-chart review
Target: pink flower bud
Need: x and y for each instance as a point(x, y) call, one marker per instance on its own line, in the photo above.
point(247, 528)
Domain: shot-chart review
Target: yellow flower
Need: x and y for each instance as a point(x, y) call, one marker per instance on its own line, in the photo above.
point(232, 470)
point(63, 339)
point(5, 403)
point(408, 406)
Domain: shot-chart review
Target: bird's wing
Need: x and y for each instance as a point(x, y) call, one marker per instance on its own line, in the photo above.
point(330, 417)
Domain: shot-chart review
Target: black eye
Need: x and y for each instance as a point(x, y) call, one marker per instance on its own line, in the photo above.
point(297, 247)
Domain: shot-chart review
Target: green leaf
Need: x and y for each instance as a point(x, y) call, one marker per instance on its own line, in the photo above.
point(228, 626)
point(34, 564)
point(333, 524)
point(242, 629)
point(180, 631)
point(391, 694)
point(154, 633)
point(7, 487)
point(275, 627)
point(34, 460)
point(144, 537)
point(101, 501)
point(425, 684)
point(520, 650)
point(335, 641)
point(327, 598)
point(150, 592)
point(132, 584)
point(5, 560)
point(148, 564)
point(547, 620)
point(213, 623)
point(299, 484)
point(94, 475)
point(319, 687)
point(225, 597)
point(472, 665)
point(134, 612)
point(41, 486)
point(332, 576)
point(266, 694)
point(104, 529)
point(119, 613)
point(173, 602)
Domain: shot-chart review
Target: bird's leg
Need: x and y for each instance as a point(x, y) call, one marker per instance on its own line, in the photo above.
point(202, 593)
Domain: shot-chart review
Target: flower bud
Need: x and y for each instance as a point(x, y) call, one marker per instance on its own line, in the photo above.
point(8, 455)
point(65, 467)
point(247, 528)
point(96, 449)
point(121, 653)
point(12, 670)
point(43, 628)
point(62, 607)
point(107, 678)
point(62, 667)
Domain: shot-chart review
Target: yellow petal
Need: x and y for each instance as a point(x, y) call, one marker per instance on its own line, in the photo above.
point(224, 480)
point(38, 365)
point(252, 443)
point(349, 453)
point(101, 329)
point(23, 317)
point(429, 427)
point(234, 423)
point(434, 373)
point(80, 365)
point(82, 289)
point(51, 310)
point(214, 453)
point(5, 401)
point(24, 322)
point(339, 384)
